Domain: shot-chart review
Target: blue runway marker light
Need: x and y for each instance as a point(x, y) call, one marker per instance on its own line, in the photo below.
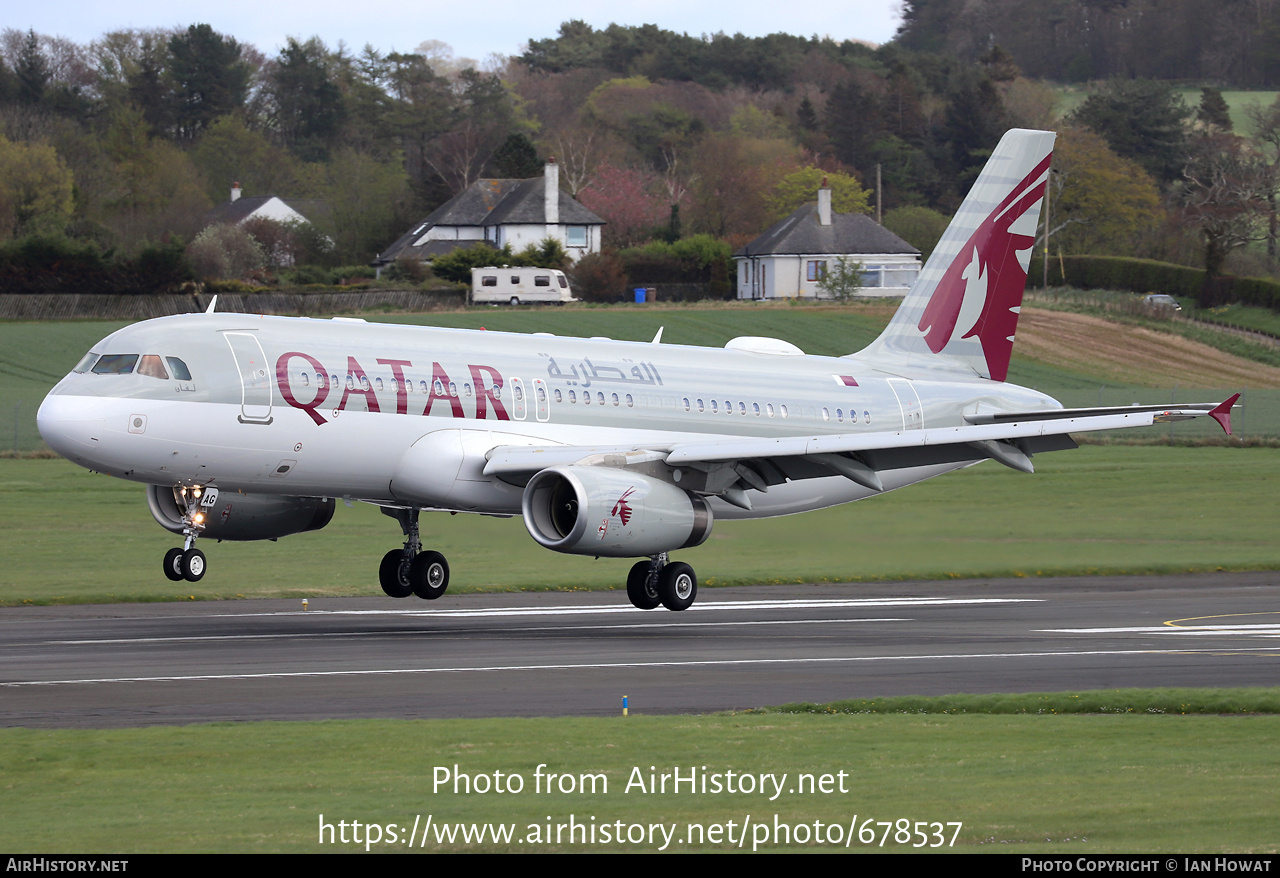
point(624, 705)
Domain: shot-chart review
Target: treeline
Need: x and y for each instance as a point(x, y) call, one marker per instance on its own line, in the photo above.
point(123, 145)
point(1227, 42)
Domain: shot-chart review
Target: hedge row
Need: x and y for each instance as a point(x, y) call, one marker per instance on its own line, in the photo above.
point(55, 265)
point(1150, 276)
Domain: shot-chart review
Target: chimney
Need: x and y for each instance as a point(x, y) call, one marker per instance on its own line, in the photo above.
point(553, 192)
point(235, 191)
point(824, 203)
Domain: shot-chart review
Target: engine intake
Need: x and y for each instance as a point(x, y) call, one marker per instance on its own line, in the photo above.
point(593, 510)
point(245, 516)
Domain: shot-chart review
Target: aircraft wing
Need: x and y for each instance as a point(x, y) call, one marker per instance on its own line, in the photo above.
point(1010, 438)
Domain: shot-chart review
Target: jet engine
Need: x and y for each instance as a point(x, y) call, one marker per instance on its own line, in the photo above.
point(245, 516)
point(595, 510)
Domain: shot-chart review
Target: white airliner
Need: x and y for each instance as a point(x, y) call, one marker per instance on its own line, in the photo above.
point(248, 427)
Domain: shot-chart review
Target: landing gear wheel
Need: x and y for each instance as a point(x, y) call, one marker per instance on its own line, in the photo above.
point(193, 565)
point(393, 574)
point(173, 564)
point(429, 574)
point(643, 595)
point(677, 586)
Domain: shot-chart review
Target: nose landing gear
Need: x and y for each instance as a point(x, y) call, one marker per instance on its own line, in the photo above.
point(189, 562)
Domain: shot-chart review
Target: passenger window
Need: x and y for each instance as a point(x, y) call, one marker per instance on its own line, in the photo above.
point(115, 364)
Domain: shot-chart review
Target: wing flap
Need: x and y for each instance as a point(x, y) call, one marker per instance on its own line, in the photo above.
point(1005, 437)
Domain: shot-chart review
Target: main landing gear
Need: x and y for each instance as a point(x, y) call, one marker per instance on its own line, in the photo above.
point(661, 581)
point(188, 562)
point(410, 570)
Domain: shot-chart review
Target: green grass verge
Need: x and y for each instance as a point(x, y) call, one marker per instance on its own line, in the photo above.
point(1175, 702)
point(71, 536)
point(1029, 783)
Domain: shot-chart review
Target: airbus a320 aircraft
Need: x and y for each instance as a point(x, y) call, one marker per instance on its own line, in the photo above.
point(248, 427)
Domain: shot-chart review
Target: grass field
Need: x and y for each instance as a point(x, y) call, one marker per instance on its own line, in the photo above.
point(1071, 97)
point(68, 535)
point(1015, 784)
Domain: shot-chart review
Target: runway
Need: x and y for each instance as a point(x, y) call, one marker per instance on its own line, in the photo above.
point(560, 654)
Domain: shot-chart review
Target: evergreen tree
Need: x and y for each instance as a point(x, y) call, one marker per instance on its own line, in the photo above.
point(210, 77)
point(517, 158)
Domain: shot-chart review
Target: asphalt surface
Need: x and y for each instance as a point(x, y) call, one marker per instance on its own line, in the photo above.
point(560, 654)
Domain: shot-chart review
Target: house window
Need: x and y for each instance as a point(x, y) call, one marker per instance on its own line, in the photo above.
point(576, 236)
point(817, 269)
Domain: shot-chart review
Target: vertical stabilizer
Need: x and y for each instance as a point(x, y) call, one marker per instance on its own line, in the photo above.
point(962, 313)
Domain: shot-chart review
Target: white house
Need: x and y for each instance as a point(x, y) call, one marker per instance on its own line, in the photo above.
point(241, 208)
point(501, 212)
point(793, 255)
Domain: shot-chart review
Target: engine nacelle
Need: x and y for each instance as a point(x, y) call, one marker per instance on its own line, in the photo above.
point(596, 510)
point(245, 516)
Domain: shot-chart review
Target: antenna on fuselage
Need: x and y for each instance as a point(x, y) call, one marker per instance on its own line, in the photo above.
point(212, 302)
point(657, 339)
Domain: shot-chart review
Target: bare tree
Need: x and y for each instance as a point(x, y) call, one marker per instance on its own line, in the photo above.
point(1225, 195)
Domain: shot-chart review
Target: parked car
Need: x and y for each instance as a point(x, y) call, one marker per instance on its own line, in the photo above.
point(1161, 302)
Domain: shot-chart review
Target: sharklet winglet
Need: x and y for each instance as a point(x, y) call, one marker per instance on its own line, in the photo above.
point(1222, 414)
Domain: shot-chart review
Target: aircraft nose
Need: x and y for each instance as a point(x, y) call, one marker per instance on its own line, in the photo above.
point(71, 425)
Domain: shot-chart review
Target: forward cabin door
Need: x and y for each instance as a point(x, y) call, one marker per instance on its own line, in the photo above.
point(255, 377)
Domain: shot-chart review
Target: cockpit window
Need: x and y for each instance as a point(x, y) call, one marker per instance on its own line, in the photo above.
point(152, 367)
point(87, 363)
point(115, 364)
point(179, 369)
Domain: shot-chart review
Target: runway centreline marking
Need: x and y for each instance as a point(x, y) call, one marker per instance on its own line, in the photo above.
point(201, 638)
point(592, 609)
point(619, 665)
point(1194, 631)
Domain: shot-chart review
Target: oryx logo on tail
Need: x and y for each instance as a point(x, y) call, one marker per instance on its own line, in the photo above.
point(981, 291)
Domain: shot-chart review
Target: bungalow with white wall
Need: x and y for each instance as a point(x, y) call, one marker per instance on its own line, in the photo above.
point(793, 255)
point(500, 212)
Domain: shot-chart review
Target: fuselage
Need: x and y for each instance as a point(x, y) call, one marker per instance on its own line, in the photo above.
point(336, 408)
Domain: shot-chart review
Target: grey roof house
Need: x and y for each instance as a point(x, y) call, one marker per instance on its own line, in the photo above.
point(500, 212)
point(793, 255)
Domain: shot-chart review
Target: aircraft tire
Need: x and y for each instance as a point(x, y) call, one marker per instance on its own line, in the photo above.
point(429, 574)
point(193, 565)
point(677, 586)
point(393, 575)
point(173, 564)
point(642, 596)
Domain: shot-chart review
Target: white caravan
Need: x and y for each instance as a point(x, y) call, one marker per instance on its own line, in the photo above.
point(515, 286)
